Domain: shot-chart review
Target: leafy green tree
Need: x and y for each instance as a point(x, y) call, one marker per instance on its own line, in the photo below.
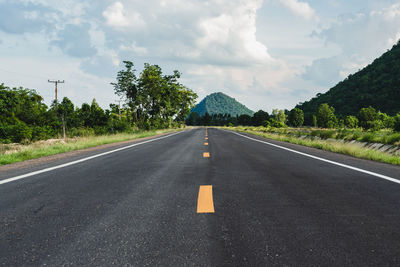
point(193, 119)
point(279, 115)
point(296, 117)
point(259, 118)
point(387, 121)
point(351, 121)
point(244, 120)
point(326, 116)
point(368, 117)
point(127, 86)
point(155, 99)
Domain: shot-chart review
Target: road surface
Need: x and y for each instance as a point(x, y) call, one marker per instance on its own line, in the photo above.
point(260, 205)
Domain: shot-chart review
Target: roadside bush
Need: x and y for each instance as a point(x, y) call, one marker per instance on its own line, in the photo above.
point(276, 124)
point(396, 124)
point(19, 132)
point(375, 125)
point(351, 122)
point(391, 139)
point(327, 134)
point(81, 131)
point(369, 138)
point(42, 133)
point(117, 126)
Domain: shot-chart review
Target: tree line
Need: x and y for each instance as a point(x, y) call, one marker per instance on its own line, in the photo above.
point(367, 118)
point(278, 118)
point(152, 101)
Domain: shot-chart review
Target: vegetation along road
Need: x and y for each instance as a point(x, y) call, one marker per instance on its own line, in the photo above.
point(202, 197)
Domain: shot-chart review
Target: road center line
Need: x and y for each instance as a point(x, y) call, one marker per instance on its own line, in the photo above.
point(206, 144)
point(205, 203)
point(322, 159)
point(81, 160)
point(206, 154)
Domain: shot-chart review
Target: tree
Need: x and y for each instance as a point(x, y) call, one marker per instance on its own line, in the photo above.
point(244, 120)
point(127, 87)
point(367, 117)
point(259, 118)
point(155, 99)
point(279, 115)
point(351, 122)
point(193, 119)
point(326, 116)
point(296, 117)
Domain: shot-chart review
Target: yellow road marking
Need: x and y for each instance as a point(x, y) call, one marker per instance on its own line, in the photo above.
point(206, 138)
point(206, 154)
point(205, 203)
point(206, 144)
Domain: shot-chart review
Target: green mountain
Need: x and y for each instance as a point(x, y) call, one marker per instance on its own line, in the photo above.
point(220, 103)
point(377, 85)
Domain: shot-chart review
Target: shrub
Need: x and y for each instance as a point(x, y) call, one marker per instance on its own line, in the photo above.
point(276, 124)
point(393, 138)
point(42, 133)
point(19, 132)
point(351, 122)
point(368, 137)
point(396, 124)
point(375, 125)
point(327, 134)
point(82, 131)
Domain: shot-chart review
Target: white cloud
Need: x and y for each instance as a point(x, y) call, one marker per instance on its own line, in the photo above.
point(361, 37)
point(231, 36)
point(139, 50)
point(301, 9)
point(115, 17)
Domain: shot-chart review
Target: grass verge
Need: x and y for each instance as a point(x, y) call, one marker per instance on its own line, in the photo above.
point(328, 145)
point(16, 153)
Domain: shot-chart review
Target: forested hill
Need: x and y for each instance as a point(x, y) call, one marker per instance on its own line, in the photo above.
point(220, 103)
point(377, 85)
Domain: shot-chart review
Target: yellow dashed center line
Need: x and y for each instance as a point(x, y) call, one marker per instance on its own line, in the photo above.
point(205, 203)
point(206, 138)
point(206, 154)
point(206, 144)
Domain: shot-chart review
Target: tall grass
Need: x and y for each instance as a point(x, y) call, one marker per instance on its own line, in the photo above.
point(11, 154)
point(329, 145)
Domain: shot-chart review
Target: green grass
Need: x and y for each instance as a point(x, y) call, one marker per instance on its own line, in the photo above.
point(328, 145)
point(16, 153)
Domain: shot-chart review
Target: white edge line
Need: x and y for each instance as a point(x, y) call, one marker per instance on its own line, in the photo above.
point(81, 160)
point(322, 159)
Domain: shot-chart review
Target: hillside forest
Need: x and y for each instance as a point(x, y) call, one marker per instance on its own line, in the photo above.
point(377, 85)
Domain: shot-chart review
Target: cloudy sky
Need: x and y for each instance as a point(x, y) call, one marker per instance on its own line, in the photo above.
point(267, 54)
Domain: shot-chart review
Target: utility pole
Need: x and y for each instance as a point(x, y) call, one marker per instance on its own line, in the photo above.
point(56, 82)
point(119, 108)
point(56, 90)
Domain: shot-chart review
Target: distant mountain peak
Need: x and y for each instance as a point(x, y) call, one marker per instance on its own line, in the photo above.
point(220, 103)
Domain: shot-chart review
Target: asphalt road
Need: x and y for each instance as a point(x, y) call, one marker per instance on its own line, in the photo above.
point(138, 207)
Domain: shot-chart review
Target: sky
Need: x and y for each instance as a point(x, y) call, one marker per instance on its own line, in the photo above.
point(265, 53)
